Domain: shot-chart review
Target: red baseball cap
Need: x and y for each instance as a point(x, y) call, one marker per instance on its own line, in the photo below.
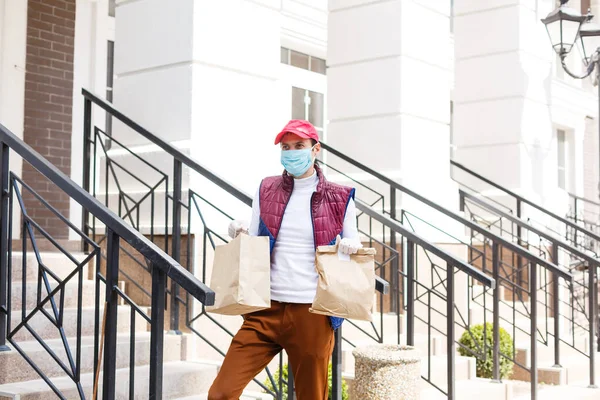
point(299, 127)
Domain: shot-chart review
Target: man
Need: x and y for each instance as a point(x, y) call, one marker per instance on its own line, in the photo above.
point(299, 211)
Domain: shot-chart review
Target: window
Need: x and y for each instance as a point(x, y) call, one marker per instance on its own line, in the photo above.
point(110, 70)
point(304, 61)
point(451, 16)
point(310, 106)
point(299, 60)
point(111, 7)
point(561, 142)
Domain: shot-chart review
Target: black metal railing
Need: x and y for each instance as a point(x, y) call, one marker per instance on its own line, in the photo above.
point(493, 247)
point(29, 317)
point(576, 233)
point(586, 213)
point(206, 217)
point(426, 302)
point(581, 306)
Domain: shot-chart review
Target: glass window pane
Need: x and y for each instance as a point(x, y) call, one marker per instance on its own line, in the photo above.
point(111, 8)
point(560, 138)
point(285, 56)
point(316, 109)
point(299, 60)
point(298, 110)
point(562, 179)
point(562, 158)
point(317, 65)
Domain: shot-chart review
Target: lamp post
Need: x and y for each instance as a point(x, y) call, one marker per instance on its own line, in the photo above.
point(565, 25)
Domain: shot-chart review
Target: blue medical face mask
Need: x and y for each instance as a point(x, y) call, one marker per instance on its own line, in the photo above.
point(297, 162)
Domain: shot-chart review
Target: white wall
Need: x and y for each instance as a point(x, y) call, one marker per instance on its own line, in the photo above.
point(510, 98)
point(389, 83)
point(304, 26)
point(13, 47)
point(92, 31)
point(204, 75)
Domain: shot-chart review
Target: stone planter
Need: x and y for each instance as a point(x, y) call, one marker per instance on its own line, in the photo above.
point(387, 372)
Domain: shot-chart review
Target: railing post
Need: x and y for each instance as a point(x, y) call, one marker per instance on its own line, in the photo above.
point(533, 328)
point(336, 367)
point(556, 307)
point(110, 335)
point(450, 329)
point(519, 257)
point(593, 304)
point(4, 243)
point(87, 156)
point(290, 383)
point(176, 238)
point(157, 333)
point(410, 293)
point(394, 273)
point(496, 317)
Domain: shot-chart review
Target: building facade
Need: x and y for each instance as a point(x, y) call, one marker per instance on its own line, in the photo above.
point(402, 86)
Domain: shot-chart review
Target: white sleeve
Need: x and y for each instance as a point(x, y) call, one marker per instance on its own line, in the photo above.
point(350, 229)
point(255, 221)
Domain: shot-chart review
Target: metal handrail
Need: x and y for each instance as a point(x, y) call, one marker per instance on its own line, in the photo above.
point(574, 196)
point(471, 225)
point(413, 237)
point(154, 254)
point(523, 200)
point(531, 228)
point(178, 155)
point(380, 285)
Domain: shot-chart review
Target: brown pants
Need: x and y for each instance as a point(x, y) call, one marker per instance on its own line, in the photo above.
point(307, 338)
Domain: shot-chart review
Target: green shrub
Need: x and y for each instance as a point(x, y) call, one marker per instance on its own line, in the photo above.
point(473, 347)
point(268, 384)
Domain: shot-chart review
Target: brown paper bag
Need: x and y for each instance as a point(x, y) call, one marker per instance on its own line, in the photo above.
point(241, 276)
point(346, 283)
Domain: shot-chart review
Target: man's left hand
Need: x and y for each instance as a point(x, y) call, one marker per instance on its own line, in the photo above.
point(349, 246)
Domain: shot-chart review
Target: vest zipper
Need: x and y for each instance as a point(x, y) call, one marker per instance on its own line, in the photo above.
point(312, 220)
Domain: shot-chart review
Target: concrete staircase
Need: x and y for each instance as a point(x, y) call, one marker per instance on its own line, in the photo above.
point(190, 364)
point(18, 380)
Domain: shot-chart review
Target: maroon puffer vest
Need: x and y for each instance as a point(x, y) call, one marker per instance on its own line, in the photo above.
point(328, 207)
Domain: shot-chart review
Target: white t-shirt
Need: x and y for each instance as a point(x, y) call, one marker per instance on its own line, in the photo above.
point(293, 275)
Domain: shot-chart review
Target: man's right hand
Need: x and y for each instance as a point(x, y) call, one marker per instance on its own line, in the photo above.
point(236, 227)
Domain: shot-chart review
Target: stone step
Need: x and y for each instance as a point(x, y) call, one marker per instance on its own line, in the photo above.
point(47, 330)
point(180, 379)
point(575, 367)
point(14, 368)
point(470, 389)
point(579, 392)
point(247, 395)
point(71, 294)
point(56, 262)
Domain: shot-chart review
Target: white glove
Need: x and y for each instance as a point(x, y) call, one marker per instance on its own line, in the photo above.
point(236, 227)
point(348, 246)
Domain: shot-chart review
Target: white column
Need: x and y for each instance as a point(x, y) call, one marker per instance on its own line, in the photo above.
point(92, 32)
point(202, 75)
point(13, 48)
point(389, 82)
point(512, 95)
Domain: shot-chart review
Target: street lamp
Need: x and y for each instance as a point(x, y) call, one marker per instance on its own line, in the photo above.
point(564, 26)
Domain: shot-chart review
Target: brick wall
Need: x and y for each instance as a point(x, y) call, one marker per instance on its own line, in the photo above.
point(48, 102)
